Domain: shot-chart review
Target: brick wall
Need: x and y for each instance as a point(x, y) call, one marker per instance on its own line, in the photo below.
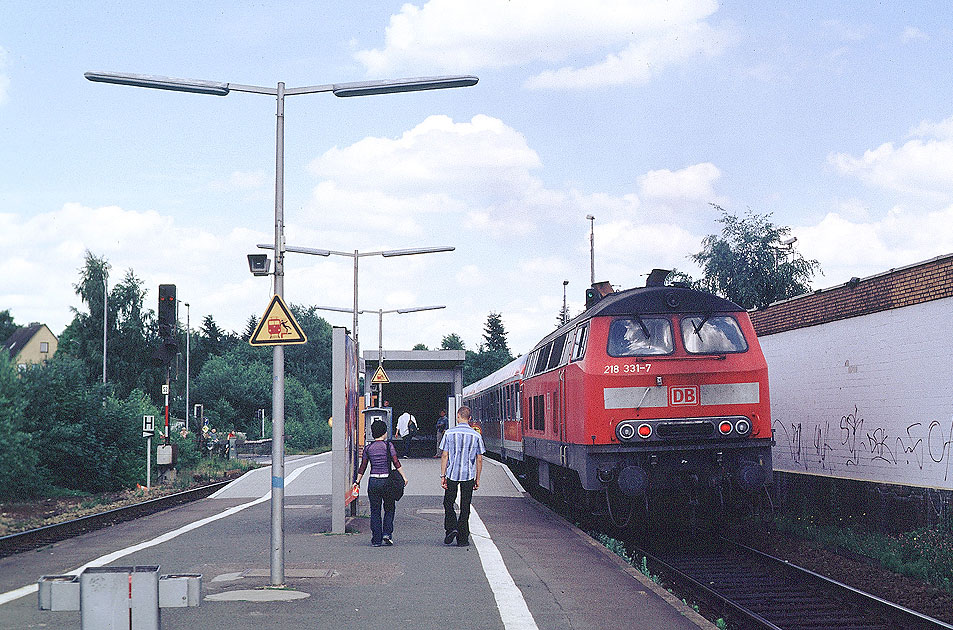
point(897, 288)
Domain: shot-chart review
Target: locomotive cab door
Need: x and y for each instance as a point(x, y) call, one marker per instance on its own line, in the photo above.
point(560, 412)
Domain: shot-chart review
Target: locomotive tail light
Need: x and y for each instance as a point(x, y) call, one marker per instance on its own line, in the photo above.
point(645, 431)
point(743, 427)
point(724, 427)
point(626, 431)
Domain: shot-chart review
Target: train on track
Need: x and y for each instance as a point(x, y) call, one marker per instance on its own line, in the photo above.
point(651, 393)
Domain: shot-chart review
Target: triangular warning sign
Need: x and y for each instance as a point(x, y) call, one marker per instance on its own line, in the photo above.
point(277, 327)
point(380, 376)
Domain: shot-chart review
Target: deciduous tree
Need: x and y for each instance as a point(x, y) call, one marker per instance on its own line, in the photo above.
point(752, 262)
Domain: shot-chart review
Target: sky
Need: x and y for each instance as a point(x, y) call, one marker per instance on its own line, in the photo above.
point(835, 117)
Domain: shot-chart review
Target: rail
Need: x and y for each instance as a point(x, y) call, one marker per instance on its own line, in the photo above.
point(49, 534)
point(751, 589)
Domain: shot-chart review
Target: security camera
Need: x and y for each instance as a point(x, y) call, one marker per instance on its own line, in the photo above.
point(259, 264)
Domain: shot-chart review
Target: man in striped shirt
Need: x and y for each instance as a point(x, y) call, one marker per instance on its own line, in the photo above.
point(461, 463)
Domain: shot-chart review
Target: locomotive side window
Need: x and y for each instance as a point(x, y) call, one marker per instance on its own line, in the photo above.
point(640, 336)
point(543, 360)
point(539, 413)
point(556, 355)
point(712, 335)
point(579, 343)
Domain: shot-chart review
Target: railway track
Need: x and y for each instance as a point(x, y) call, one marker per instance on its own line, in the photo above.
point(49, 534)
point(750, 589)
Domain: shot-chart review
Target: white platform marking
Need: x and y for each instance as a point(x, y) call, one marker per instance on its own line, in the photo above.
point(23, 591)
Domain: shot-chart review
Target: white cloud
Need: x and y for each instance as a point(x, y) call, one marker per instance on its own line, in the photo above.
point(638, 62)
point(693, 183)
point(849, 247)
point(48, 249)
point(922, 166)
point(607, 41)
point(481, 171)
point(913, 34)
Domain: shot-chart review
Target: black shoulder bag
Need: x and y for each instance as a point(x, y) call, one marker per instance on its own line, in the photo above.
point(395, 481)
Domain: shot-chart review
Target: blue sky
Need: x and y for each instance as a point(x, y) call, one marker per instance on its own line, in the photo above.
point(836, 117)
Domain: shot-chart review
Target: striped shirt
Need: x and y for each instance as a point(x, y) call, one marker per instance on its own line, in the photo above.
point(462, 444)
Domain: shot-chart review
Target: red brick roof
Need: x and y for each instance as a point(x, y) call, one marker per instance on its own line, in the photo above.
point(921, 282)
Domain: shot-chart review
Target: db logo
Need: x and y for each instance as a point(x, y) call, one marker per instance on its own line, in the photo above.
point(683, 395)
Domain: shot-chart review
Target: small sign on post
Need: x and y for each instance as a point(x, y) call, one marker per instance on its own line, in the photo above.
point(148, 426)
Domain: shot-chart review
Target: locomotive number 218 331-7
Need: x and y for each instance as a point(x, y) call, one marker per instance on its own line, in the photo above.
point(628, 368)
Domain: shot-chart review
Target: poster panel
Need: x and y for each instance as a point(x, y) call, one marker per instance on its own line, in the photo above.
point(344, 428)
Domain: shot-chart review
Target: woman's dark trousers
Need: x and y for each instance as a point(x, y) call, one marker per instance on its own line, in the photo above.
point(377, 495)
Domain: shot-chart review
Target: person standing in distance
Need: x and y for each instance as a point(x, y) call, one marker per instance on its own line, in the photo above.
point(461, 462)
point(442, 425)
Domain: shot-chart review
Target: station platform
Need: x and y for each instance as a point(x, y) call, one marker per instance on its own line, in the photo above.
point(525, 568)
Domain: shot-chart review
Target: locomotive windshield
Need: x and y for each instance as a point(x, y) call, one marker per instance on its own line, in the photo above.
point(712, 335)
point(640, 336)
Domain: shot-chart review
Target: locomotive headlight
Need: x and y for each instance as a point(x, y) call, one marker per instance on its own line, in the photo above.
point(626, 431)
point(743, 427)
point(724, 427)
point(645, 431)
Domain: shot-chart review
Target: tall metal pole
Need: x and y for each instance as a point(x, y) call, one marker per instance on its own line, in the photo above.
point(592, 249)
point(105, 313)
point(356, 346)
point(565, 317)
point(188, 336)
point(278, 365)
point(380, 354)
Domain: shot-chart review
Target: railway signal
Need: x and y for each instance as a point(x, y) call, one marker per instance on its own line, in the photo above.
point(168, 343)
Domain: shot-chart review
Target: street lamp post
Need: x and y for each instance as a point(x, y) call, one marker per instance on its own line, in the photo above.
point(188, 353)
point(105, 313)
point(592, 248)
point(565, 313)
point(215, 88)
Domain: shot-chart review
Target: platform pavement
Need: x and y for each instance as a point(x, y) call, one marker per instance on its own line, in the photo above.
point(558, 578)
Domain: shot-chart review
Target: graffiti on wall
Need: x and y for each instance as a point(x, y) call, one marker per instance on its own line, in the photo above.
point(850, 441)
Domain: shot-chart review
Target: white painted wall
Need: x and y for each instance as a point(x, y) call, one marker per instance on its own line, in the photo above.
point(867, 398)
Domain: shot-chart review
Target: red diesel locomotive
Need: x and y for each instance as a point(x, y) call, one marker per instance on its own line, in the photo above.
point(654, 391)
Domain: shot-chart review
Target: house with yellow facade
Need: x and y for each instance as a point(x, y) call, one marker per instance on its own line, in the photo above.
point(31, 345)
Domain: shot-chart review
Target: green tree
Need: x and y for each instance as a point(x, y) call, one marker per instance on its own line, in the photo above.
point(453, 341)
point(21, 475)
point(494, 335)
point(250, 326)
point(420, 346)
point(130, 327)
point(7, 326)
point(752, 263)
point(84, 438)
point(493, 353)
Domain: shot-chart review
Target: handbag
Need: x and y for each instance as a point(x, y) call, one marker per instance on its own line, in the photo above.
point(395, 481)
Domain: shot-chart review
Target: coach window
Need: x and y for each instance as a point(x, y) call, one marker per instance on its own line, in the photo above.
point(640, 336)
point(712, 335)
point(579, 343)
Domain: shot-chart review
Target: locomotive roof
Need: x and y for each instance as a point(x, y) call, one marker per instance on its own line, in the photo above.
point(654, 300)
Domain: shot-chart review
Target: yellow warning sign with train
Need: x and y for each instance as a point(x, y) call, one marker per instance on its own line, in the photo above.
point(277, 327)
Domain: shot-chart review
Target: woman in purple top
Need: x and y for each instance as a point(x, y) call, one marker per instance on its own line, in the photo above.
point(378, 453)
